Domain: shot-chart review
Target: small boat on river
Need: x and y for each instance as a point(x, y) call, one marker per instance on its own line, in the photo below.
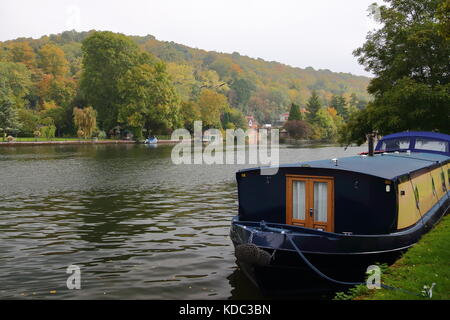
point(318, 225)
point(151, 140)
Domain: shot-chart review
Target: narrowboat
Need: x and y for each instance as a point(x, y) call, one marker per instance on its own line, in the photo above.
point(319, 225)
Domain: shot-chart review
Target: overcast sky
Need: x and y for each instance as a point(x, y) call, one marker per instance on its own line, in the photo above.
point(301, 33)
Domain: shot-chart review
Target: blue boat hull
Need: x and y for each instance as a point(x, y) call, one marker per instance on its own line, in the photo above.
point(280, 269)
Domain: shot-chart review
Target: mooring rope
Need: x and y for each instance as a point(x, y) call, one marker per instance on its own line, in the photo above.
point(288, 236)
point(321, 274)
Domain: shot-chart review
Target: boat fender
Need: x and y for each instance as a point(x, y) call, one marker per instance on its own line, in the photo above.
point(251, 254)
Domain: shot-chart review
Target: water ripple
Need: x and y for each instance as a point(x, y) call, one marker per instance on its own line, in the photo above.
point(138, 226)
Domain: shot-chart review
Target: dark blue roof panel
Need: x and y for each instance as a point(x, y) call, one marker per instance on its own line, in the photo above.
point(423, 134)
point(387, 166)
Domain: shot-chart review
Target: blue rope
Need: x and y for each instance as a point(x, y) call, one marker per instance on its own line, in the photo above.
point(321, 274)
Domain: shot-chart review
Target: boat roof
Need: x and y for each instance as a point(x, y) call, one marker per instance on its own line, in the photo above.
point(389, 166)
point(422, 134)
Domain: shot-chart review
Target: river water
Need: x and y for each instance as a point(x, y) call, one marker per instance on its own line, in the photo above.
point(138, 226)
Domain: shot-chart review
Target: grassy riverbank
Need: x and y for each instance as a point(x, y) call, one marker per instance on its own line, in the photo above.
point(48, 140)
point(426, 263)
point(71, 141)
point(57, 139)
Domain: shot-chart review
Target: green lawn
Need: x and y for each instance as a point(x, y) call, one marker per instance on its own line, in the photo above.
point(425, 263)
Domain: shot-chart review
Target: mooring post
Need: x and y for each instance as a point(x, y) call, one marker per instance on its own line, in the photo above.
point(370, 138)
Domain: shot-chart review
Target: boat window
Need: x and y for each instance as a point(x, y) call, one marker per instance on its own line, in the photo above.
point(430, 144)
point(395, 144)
point(320, 201)
point(299, 200)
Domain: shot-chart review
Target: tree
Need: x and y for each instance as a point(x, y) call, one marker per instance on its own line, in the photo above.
point(223, 66)
point(15, 83)
point(190, 112)
point(339, 103)
point(57, 113)
point(212, 105)
point(294, 113)
point(21, 52)
point(8, 114)
point(29, 120)
point(149, 100)
point(409, 58)
point(254, 86)
point(233, 119)
point(14, 86)
point(242, 89)
point(60, 90)
point(52, 60)
point(86, 121)
point(298, 129)
point(443, 15)
point(107, 56)
point(324, 127)
point(313, 105)
point(183, 79)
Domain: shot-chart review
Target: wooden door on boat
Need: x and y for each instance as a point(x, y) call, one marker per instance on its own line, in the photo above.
point(310, 202)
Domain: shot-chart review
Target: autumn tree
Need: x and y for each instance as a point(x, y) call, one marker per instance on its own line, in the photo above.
point(254, 86)
point(298, 129)
point(85, 121)
point(57, 89)
point(52, 61)
point(212, 105)
point(22, 52)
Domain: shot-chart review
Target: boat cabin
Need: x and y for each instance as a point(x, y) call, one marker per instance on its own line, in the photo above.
point(323, 222)
point(430, 142)
point(359, 195)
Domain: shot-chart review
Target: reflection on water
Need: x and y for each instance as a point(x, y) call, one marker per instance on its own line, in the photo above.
point(138, 226)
